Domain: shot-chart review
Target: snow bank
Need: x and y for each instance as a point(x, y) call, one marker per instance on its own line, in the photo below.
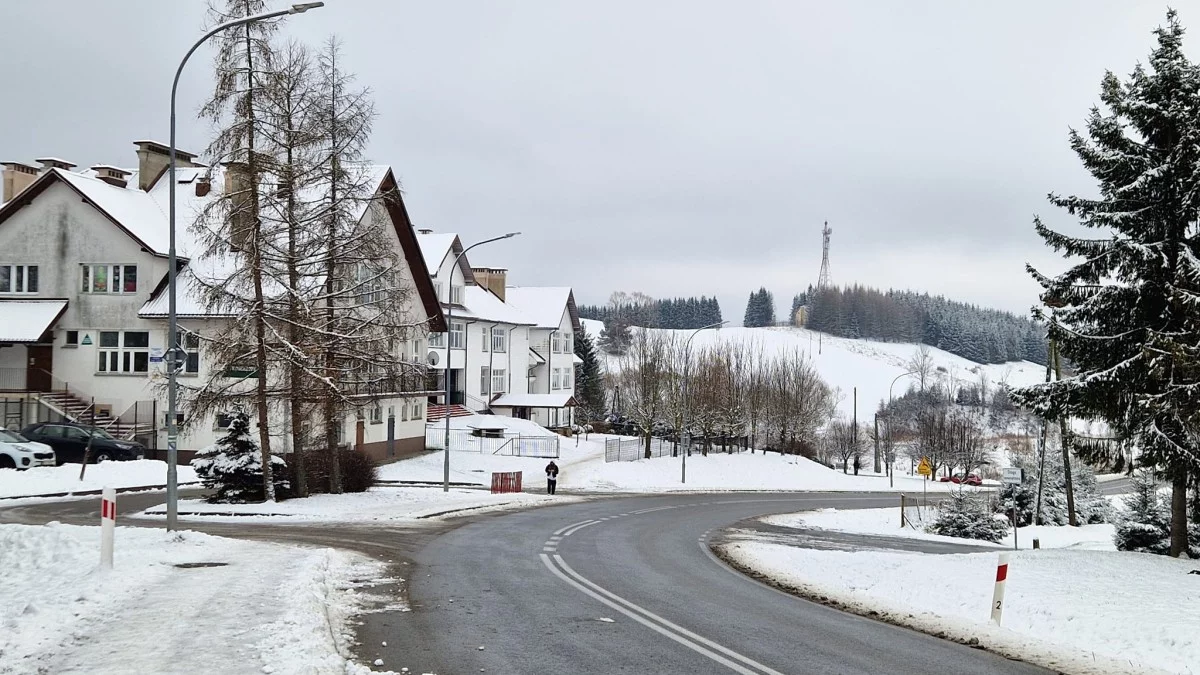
point(378, 504)
point(718, 471)
point(59, 613)
point(476, 467)
point(54, 479)
point(1077, 611)
point(887, 522)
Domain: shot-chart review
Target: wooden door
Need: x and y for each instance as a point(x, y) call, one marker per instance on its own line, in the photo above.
point(37, 375)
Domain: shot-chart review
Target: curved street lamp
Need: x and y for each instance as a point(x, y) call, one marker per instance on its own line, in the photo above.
point(449, 353)
point(173, 362)
point(687, 402)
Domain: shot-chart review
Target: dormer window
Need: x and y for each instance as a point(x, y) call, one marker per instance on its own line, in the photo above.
point(109, 279)
point(456, 295)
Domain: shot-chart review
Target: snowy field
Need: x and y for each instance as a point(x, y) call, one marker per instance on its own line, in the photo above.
point(269, 609)
point(866, 364)
point(55, 479)
point(887, 522)
point(381, 504)
point(1076, 611)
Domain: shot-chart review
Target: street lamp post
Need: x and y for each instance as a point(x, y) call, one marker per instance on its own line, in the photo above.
point(687, 403)
point(174, 363)
point(449, 315)
point(891, 469)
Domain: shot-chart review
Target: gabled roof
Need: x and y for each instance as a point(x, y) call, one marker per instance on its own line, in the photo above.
point(544, 304)
point(437, 246)
point(480, 304)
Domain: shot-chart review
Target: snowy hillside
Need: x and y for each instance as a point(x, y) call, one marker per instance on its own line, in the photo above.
point(870, 366)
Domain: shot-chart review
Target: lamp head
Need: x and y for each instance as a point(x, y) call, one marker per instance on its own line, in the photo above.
point(510, 235)
point(304, 7)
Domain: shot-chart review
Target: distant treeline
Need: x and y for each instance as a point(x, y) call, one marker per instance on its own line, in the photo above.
point(975, 333)
point(676, 313)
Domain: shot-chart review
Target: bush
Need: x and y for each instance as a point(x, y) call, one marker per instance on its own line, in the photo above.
point(1090, 506)
point(359, 472)
point(1144, 523)
point(233, 467)
point(968, 517)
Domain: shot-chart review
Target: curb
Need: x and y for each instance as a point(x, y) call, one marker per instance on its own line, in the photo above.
point(90, 493)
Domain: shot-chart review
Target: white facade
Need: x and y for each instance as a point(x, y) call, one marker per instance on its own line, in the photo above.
point(99, 247)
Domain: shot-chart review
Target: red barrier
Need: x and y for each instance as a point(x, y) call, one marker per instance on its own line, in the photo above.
point(508, 481)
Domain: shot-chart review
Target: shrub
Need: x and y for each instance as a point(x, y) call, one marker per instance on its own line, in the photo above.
point(968, 517)
point(1144, 522)
point(1090, 506)
point(359, 472)
point(233, 466)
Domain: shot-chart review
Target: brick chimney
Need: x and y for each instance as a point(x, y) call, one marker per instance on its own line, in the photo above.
point(16, 177)
point(203, 185)
point(112, 175)
point(237, 189)
point(153, 159)
point(491, 278)
point(55, 163)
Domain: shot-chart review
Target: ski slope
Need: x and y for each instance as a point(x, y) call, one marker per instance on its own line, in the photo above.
point(847, 364)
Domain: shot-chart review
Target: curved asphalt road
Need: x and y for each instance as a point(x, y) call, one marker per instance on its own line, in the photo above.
point(624, 585)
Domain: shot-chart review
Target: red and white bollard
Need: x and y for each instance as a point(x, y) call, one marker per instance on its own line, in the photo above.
point(998, 594)
point(108, 525)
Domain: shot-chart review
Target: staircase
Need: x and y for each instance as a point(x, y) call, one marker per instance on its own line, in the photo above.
point(79, 411)
point(436, 411)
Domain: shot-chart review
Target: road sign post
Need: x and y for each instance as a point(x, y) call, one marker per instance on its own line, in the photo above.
point(1012, 475)
point(926, 470)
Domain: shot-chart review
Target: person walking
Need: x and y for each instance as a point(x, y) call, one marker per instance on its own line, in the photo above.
point(551, 477)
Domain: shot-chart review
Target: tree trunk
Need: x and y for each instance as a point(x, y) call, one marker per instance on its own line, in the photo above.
point(1179, 521)
point(295, 375)
point(256, 265)
point(1064, 441)
point(647, 445)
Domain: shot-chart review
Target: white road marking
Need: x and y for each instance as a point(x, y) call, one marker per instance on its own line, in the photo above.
point(579, 527)
point(564, 529)
point(667, 628)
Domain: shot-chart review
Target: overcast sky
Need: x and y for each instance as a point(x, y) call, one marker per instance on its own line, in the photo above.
point(676, 148)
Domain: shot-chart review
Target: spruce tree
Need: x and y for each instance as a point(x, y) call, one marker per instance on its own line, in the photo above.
point(589, 378)
point(1126, 316)
point(233, 466)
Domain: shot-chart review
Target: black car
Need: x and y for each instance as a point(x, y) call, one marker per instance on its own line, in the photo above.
point(70, 441)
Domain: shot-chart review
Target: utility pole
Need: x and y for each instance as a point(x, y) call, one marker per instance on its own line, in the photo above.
point(878, 468)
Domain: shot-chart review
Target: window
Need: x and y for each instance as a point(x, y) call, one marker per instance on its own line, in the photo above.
point(72, 338)
point(18, 279)
point(191, 345)
point(554, 379)
point(437, 339)
point(499, 340)
point(457, 331)
point(376, 414)
point(418, 409)
point(404, 411)
point(178, 419)
point(499, 381)
point(566, 344)
point(132, 356)
point(369, 283)
point(556, 343)
point(437, 290)
point(109, 279)
point(455, 295)
point(485, 381)
point(566, 378)
point(416, 350)
point(485, 340)
point(224, 420)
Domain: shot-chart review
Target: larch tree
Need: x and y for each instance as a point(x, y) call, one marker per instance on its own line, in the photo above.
point(1126, 311)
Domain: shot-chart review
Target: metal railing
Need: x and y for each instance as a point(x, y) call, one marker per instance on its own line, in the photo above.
point(508, 445)
point(633, 449)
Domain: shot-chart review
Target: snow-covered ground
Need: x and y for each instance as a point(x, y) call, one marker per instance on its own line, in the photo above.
point(379, 504)
point(866, 364)
point(55, 479)
point(1077, 611)
point(268, 609)
point(887, 522)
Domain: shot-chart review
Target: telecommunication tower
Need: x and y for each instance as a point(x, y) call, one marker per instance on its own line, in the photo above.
point(823, 280)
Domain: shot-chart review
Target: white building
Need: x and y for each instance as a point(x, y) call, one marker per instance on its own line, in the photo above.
point(510, 348)
point(83, 302)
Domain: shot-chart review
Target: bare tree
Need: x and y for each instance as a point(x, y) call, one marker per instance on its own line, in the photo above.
point(921, 365)
point(844, 441)
point(645, 376)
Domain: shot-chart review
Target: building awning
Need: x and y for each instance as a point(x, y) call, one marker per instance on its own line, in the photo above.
point(534, 401)
point(535, 358)
point(28, 320)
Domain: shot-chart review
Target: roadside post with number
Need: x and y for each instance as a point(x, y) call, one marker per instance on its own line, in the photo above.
point(998, 593)
point(1012, 475)
point(108, 523)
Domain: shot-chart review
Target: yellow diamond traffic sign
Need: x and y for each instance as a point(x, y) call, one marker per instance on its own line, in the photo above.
point(924, 468)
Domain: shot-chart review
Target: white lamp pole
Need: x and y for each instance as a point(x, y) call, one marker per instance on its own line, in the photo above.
point(173, 361)
point(687, 402)
point(449, 352)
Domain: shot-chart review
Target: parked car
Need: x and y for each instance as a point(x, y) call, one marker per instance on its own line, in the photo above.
point(969, 479)
point(70, 441)
point(18, 452)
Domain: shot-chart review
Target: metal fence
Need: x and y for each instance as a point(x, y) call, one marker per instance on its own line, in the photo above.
point(633, 449)
point(509, 445)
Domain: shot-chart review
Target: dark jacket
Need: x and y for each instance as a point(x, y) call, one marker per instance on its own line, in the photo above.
point(552, 471)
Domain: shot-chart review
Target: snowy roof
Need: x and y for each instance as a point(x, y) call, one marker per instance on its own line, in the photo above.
point(483, 305)
point(28, 320)
point(133, 210)
point(434, 247)
point(544, 304)
point(533, 401)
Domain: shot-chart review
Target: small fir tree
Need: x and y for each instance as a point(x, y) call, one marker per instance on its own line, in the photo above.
point(589, 378)
point(1143, 524)
point(967, 516)
point(233, 466)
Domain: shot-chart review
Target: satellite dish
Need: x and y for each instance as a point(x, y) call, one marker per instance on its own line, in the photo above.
point(434, 358)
